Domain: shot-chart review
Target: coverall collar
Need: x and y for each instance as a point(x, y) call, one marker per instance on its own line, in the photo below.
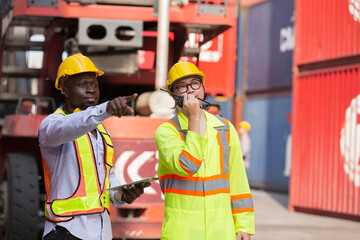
point(210, 120)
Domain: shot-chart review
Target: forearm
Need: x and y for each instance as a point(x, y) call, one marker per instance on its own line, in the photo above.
point(58, 129)
point(194, 124)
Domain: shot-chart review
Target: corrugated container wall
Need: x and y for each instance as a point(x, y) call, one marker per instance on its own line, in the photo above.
point(224, 104)
point(326, 141)
point(270, 140)
point(326, 30)
point(269, 45)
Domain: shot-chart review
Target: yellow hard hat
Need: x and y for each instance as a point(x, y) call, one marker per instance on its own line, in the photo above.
point(180, 70)
point(75, 64)
point(245, 125)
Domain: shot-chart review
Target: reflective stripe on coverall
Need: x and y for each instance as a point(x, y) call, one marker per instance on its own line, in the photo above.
point(207, 195)
point(88, 198)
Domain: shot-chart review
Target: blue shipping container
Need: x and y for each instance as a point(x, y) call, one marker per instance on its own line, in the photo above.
point(269, 45)
point(225, 104)
point(271, 141)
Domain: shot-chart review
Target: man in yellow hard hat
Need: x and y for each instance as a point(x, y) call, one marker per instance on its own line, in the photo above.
point(78, 156)
point(201, 171)
point(243, 129)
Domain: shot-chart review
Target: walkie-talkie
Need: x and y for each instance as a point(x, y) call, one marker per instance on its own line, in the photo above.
point(180, 99)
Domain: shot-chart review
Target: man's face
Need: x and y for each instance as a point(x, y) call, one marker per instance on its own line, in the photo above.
point(242, 131)
point(190, 85)
point(81, 90)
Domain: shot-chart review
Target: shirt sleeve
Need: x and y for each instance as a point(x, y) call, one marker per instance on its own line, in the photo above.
point(241, 199)
point(57, 129)
point(179, 157)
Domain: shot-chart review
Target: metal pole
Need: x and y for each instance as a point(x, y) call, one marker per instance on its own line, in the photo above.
point(162, 48)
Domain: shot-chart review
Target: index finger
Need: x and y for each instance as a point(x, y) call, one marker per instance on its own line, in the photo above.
point(130, 98)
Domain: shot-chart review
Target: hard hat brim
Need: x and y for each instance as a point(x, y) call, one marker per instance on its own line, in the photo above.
point(57, 81)
point(202, 76)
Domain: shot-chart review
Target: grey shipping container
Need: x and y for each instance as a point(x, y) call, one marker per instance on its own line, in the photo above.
point(269, 45)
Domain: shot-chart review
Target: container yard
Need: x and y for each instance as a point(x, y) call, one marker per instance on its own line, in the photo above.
point(290, 68)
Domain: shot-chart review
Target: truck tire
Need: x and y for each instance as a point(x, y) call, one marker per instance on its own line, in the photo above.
point(19, 215)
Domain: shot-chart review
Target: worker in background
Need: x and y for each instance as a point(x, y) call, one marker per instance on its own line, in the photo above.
point(28, 107)
point(78, 156)
point(201, 171)
point(215, 109)
point(243, 129)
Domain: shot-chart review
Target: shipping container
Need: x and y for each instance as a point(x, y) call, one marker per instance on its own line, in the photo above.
point(325, 174)
point(270, 140)
point(249, 3)
point(269, 45)
point(327, 31)
point(221, 105)
point(217, 61)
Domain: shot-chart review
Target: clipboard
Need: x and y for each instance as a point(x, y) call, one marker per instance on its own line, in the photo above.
point(152, 179)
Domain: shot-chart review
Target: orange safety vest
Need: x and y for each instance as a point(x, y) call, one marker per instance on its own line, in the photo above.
point(88, 198)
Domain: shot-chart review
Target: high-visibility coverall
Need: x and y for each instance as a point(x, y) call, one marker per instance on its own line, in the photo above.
point(207, 195)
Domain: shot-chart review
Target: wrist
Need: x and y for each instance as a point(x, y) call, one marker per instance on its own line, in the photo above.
point(119, 196)
point(194, 117)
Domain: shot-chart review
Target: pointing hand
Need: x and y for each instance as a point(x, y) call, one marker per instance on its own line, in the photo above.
point(118, 106)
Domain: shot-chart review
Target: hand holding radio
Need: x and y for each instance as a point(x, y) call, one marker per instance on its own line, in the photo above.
point(180, 100)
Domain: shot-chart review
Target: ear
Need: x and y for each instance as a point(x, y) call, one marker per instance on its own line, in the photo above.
point(65, 92)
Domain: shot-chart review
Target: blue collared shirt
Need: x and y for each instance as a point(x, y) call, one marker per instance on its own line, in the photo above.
point(56, 135)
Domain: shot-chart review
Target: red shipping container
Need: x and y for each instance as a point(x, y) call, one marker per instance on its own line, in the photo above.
point(326, 30)
point(325, 173)
point(217, 62)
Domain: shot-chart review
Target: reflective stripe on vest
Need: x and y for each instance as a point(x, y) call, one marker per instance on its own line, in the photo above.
point(242, 203)
point(239, 203)
point(195, 186)
point(205, 186)
point(223, 138)
point(189, 163)
point(88, 198)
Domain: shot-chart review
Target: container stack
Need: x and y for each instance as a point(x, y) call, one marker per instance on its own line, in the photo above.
point(325, 175)
point(264, 84)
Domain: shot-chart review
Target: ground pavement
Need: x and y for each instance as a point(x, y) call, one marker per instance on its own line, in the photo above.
point(273, 221)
